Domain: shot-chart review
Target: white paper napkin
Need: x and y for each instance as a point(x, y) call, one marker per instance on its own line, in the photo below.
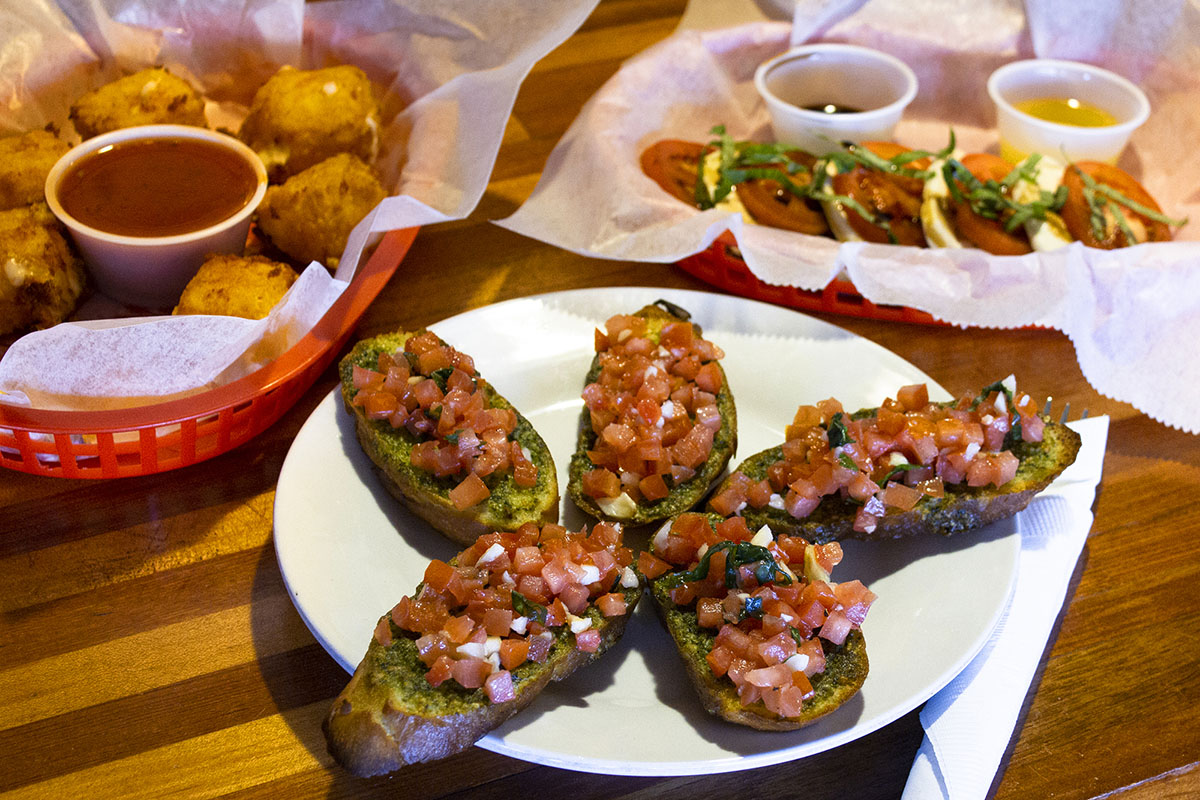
point(969, 723)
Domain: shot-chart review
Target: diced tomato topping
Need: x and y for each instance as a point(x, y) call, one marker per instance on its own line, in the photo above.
point(499, 686)
point(652, 566)
point(611, 604)
point(769, 624)
point(513, 652)
point(432, 391)
point(908, 450)
point(588, 641)
point(507, 599)
point(471, 491)
point(653, 408)
point(470, 672)
point(383, 632)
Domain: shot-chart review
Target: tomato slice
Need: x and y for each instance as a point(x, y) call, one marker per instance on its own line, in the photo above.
point(988, 234)
point(896, 197)
point(1077, 215)
point(674, 164)
point(771, 204)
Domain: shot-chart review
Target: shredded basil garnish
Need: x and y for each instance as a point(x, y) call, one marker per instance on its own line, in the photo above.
point(742, 161)
point(896, 470)
point(1101, 196)
point(753, 607)
point(838, 435)
point(440, 376)
point(797, 635)
point(1013, 437)
point(993, 199)
point(741, 554)
point(527, 608)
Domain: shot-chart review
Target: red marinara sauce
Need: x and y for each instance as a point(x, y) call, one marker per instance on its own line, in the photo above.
point(157, 187)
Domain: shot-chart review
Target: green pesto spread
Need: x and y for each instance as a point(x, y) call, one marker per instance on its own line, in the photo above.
point(509, 505)
point(398, 671)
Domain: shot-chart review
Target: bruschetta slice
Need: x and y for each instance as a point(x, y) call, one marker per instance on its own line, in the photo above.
point(659, 423)
point(479, 640)
point(766, 638)
point(444, 441)
point(908, 467)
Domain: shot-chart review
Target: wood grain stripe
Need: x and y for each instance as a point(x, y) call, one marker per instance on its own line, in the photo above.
point(126, 554)
point(149, 660)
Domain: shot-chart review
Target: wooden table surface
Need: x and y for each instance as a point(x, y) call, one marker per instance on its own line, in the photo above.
point(148, 647)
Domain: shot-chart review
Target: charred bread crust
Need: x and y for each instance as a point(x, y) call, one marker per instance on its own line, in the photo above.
point(963, 508)
point(389, 716)
point(846, 669)
point(686, 495)
point(426, 495)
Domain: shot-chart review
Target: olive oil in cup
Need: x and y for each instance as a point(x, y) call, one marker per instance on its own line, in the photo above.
point(819, 95)
point(1064, 108)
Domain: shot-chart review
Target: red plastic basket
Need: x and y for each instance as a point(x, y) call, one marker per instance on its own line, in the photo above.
point(720, 266)
point(164, 436)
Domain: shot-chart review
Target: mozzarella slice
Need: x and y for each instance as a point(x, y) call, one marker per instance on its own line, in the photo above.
point(935, 202)
point(835, 215)
point(1051, 233)
point(711, 174)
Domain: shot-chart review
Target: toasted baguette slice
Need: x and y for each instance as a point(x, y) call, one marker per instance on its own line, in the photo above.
point(389, 715)
point(962, 508)
point(507, 508)
point(846, 664)
point(683, 496)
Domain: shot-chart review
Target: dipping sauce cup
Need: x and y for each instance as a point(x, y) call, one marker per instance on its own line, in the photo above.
point(1109, 107)
point(146, 204)
point(819, 95)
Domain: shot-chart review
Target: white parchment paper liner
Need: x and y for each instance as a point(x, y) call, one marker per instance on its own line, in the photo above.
point(450, 71)
point(1130, 313)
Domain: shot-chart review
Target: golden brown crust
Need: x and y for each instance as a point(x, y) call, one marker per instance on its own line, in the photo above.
point(236, 286)
point(41, 277)
point(311, 215)
point(25, 161)
point(373, 729)
point(299, 118)
point(148, 97)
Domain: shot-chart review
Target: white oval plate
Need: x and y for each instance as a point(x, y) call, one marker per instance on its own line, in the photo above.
point(348, 552)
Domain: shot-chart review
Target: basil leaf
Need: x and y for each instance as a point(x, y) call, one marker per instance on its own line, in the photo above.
point(753, 607)
point(838, 435)
point(847, 462)
point(797, 636)
point(896, 470)
point(527, 608)
point(440, 376)
point(741, 553)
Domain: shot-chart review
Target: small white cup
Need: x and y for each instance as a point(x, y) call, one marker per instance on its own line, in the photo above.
point(877, 85)
point(152, 271)
point(1022, 134)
